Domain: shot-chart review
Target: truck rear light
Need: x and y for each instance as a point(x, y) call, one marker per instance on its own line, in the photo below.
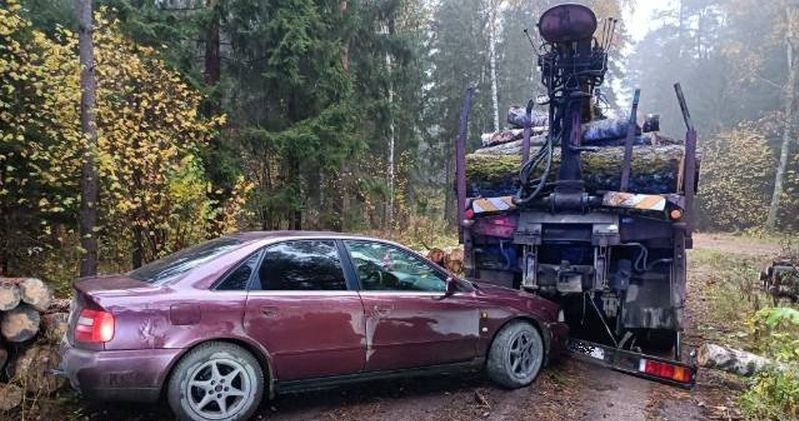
point(676, 214)
point(666, 371)
point(94, 326)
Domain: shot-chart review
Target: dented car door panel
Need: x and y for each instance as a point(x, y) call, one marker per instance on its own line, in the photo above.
point(415, 329)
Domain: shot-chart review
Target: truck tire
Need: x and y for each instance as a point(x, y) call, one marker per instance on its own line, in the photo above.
point(516, 355)
point(216, 381)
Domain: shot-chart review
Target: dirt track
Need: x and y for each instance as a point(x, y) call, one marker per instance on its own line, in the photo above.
point(569, 390)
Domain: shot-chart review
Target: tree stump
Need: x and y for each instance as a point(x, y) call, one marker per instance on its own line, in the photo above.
point(10, 397)
point(33, 369)
point(20, 324)
point(9, 296)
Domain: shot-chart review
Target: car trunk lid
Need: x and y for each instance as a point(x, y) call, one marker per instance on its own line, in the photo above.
point(95, 292)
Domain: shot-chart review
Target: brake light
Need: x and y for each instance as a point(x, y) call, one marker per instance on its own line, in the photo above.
point(94, 326)
point(666, 371)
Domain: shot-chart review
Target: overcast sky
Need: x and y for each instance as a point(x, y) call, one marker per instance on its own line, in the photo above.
point(639, 22)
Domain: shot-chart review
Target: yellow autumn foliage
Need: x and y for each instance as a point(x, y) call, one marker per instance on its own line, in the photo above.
point(736, 176)
point(150, 133)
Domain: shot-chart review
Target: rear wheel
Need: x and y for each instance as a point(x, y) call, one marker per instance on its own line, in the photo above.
point(516, 356)
point(216, 381)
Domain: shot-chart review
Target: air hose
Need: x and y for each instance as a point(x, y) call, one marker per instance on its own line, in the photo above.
point(530, 188)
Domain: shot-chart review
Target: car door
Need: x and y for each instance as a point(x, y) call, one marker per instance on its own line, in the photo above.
point(407, 322)
point(302, 310)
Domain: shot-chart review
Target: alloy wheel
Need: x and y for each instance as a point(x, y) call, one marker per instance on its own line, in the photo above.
point(219, 389)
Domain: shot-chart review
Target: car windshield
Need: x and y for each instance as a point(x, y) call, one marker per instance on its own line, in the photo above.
point(170, 267)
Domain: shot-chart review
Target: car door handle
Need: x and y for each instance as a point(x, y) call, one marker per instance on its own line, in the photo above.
point(269, 311)
point(382, 309)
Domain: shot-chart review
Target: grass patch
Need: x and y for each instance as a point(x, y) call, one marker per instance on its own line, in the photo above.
point(726, 290)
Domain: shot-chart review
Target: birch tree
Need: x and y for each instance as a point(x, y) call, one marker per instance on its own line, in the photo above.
point(787, 132)
point(493, 7)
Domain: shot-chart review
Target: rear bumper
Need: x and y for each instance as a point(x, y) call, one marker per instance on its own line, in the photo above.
point(126, 375)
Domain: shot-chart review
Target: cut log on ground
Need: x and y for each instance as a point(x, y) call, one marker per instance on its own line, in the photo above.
point(32, 291)
point(33, 369)
point(10, 397)
point(9, 296)
point(20, 324)
point(736, 361)
point(655, 170)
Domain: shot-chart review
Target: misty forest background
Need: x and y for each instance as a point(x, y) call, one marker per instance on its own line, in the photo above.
point(217, 115)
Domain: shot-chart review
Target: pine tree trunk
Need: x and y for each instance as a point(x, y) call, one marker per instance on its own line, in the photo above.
point(790, 98)
point(345, 53)
point(88, 179)
point(213, 66)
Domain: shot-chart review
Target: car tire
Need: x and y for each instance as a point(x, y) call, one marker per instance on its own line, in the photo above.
point(516, 355)
point(216, 381)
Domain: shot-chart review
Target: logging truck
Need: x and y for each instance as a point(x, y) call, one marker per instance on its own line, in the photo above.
point(591, 212)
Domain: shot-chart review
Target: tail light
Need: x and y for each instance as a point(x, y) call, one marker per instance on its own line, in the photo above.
point(666, 371)
point(94, 326)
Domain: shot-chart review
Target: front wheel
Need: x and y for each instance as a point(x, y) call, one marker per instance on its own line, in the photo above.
point(516, 356)
point(216, 381)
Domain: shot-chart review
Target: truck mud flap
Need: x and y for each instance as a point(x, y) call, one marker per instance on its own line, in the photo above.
point(649, 367)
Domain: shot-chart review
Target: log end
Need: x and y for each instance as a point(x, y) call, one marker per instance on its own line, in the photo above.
point(20, 324)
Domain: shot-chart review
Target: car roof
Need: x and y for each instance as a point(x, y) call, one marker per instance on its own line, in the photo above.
point(280, 235)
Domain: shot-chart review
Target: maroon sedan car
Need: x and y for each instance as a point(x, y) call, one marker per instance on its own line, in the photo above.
point(214, 327)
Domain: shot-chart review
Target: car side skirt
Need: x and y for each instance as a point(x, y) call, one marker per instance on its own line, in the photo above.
point(322, 383)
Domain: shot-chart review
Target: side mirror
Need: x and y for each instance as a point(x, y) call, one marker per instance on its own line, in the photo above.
point(452, 288)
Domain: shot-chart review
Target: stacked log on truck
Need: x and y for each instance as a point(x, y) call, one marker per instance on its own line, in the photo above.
point(493, 170)
point(32, 324)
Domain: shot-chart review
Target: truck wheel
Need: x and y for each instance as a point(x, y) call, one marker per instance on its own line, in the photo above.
point(516, 356)
point(216, 381)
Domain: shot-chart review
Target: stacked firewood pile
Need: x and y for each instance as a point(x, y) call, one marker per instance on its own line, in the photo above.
point(493, 170)
point(32, 324)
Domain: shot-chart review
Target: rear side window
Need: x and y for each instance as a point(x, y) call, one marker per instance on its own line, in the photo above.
point(240, 277)
point(171, 267)
point(302, 265)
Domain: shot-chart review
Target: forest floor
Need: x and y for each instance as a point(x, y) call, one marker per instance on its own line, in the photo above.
point(568, 390)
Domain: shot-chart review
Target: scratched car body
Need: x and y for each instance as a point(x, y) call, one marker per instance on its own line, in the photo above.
point(214, 328)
